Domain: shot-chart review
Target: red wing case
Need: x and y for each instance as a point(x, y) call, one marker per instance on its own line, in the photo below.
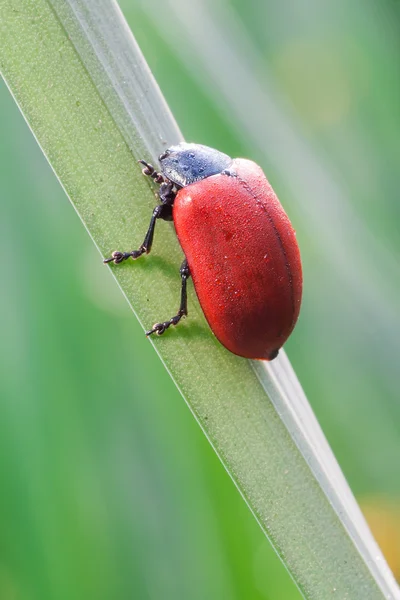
point(243, 257)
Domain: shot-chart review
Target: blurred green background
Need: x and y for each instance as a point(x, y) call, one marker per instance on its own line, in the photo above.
point(108, 487)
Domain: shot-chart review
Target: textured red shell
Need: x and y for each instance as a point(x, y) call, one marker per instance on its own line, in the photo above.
point(243, 257)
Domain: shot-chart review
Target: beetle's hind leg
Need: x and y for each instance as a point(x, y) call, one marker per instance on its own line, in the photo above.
point(159, 328)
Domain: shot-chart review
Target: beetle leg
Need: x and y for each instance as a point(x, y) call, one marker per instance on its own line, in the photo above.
point(162, 211)
point(150, 171)
point(159, 328)
point(167, 193)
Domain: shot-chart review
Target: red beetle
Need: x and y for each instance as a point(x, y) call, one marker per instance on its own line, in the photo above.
point(240, 247)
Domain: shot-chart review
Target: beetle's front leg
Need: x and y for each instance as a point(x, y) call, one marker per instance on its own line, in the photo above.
point(162, 211)
point(150, 171)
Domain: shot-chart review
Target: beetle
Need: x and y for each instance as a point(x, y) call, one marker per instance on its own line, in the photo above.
point(239, 245)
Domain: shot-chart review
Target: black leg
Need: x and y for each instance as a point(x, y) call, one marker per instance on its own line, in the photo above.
point(162, 211)
point(167, 193)
point(150, 171)
point(159, 328)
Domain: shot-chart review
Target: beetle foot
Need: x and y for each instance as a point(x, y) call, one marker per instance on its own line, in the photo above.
point(117, 257)
point(150, 171)
point(160, 328)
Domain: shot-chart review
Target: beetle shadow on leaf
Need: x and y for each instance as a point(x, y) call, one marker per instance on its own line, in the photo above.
point(189, 329)
point(151, 263)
